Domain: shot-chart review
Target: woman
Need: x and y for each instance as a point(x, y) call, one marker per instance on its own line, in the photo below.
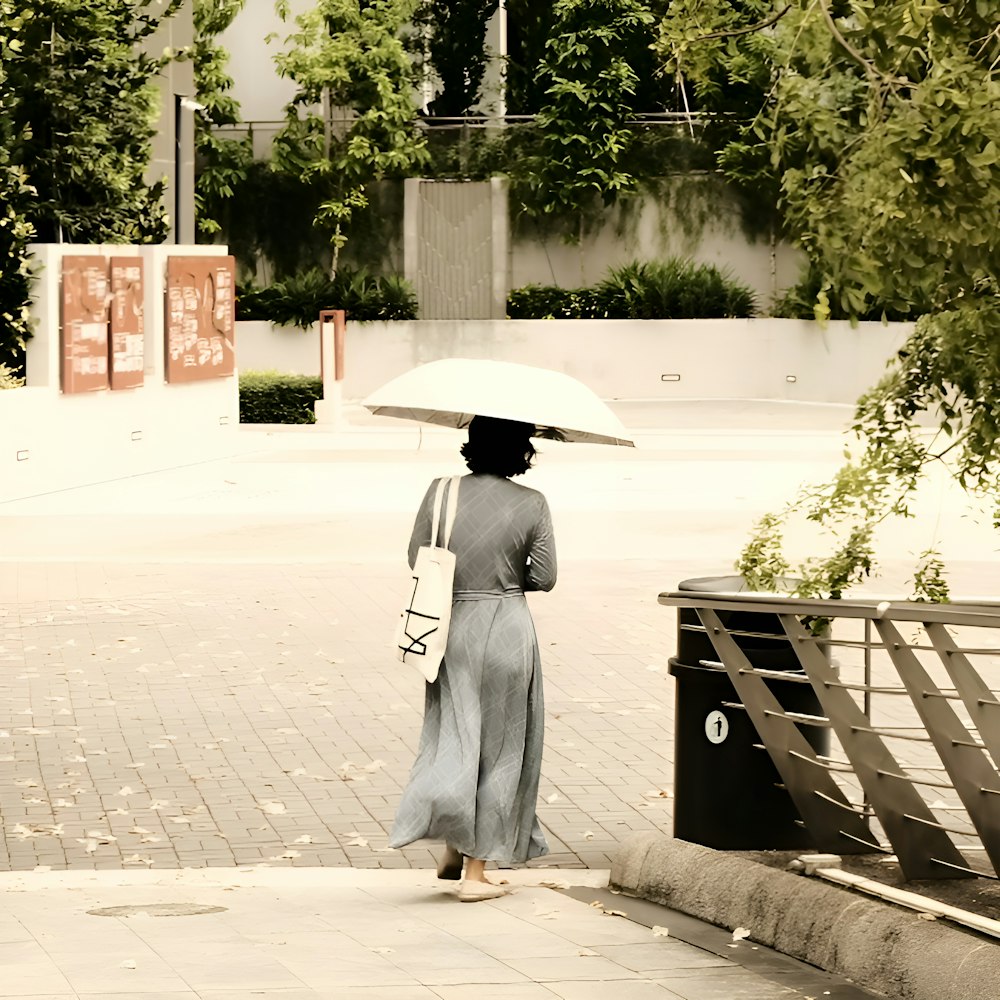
point(475, 780)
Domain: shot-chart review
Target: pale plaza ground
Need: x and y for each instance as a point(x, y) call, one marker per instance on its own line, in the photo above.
point(197, 674)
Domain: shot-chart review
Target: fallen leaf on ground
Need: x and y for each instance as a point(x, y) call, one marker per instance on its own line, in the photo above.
point(588, 834)
point(37, 830)
point(125, 791)
point(661, 932)
point(615, 913)
point(273, 808)
point(554, 797)
point(740, 934)
point(129, 963)
point(357, 842)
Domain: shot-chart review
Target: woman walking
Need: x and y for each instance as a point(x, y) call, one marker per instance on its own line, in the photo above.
point(474, 784)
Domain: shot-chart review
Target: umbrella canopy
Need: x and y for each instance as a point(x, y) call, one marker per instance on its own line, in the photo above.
point(453, 391)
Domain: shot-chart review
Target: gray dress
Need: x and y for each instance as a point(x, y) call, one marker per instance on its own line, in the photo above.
point(474, 784)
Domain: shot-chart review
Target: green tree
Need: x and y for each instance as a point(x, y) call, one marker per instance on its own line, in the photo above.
point(347, 60)
point(85, 117)
point(456, 49)
point(883, 128)
point(585, 131)
point(529, 25)
point(16, 230)
point(222, 163)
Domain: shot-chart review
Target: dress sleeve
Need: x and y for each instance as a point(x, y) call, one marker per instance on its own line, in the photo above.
point(540, 573)
point(422, 526)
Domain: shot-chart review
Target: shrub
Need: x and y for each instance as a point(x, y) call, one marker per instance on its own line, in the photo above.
point(808, 299)
point(678, 288)
point(9, 379)
point(550, 302)
point(672, 289)
point(276, 398)
point(298, 300)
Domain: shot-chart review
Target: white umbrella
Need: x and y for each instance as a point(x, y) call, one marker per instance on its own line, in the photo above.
point(451, 392)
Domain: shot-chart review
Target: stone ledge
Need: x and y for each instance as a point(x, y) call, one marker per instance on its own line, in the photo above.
point(876, 945)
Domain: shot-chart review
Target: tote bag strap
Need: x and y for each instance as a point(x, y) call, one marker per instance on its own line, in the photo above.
point(449, 521)
point(436, 519)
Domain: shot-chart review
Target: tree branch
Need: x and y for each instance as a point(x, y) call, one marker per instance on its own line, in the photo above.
point(747, 31)
point(873, 73)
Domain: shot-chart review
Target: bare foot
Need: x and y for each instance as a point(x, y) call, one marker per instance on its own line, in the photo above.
point(475, 871)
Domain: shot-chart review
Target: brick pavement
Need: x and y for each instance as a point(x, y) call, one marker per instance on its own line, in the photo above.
point(188, 716)
point(207, 681)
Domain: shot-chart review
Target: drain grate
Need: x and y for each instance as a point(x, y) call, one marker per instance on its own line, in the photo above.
point(157, 910)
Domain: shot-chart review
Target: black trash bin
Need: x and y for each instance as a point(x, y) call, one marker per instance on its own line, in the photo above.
point(727, 793)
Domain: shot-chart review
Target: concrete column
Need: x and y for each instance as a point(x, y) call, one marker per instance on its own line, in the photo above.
point(500, 238)
point(411, 230)
point(173, 145)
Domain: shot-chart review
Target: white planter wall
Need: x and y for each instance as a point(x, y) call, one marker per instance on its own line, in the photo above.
point(620, 359)
point(50, 440)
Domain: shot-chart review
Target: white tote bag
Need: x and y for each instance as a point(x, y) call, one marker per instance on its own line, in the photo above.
point(422, 633)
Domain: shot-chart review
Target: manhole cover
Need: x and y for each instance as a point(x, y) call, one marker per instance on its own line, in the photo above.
point(157, 910)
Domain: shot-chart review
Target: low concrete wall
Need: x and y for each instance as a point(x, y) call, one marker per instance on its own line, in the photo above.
point(50, 440)
point(877, 945)
point(619, 359)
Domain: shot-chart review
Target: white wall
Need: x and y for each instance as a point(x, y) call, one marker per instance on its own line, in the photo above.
point(262, 94)
point(50, 440)
point(694, 216)
point(618, 359)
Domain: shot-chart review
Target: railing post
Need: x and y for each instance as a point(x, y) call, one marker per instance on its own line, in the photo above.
point(332, 333)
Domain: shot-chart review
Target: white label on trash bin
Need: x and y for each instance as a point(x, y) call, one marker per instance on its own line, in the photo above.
point(716, 727)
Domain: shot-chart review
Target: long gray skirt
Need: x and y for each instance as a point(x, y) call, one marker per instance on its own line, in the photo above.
point(474, 784)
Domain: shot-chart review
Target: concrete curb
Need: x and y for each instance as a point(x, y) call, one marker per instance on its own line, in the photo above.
point(876, 945)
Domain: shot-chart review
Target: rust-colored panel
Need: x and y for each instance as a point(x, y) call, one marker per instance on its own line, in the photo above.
point(127, 347)
point(84, 326)
point(201, 318)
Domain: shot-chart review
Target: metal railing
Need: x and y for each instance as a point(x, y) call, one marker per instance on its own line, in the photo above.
point(260, 133)
point(911, 695)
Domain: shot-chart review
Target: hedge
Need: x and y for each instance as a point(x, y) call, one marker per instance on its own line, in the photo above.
point(676, 288)
point(277, 398)
point(299, 300)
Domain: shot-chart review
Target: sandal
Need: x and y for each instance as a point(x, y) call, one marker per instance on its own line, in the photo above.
point(473, 892)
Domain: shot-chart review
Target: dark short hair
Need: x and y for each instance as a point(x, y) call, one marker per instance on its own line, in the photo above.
point(500, 447)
